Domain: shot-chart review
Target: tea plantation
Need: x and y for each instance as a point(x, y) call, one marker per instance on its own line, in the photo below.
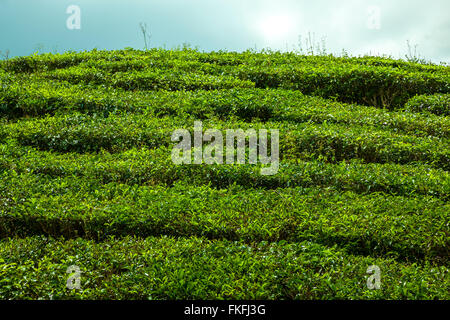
point(87, 179)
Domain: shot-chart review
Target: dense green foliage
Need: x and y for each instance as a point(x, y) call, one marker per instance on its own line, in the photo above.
point(87, 179)
point(438, 104)
point(193, 268)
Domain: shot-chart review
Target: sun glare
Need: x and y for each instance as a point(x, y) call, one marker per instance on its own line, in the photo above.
point(276, 26)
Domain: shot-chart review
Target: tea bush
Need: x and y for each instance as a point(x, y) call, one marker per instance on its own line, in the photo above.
point(164, 268)
point(87, 178)
point(438, 104)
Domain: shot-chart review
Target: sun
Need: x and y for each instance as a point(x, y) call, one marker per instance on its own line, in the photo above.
point(276, 27)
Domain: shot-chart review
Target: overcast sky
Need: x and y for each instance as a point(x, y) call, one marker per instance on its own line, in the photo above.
point(358, 26)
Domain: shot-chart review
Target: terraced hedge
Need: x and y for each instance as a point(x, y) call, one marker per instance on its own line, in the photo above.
point(377, 86)
point(86, 177)
point(171, 80)
point(39, 98)
point(142, 166)
point(163, 268)
point(80, 133)
point(376, 82)
point(369, 225)
point(438, 104)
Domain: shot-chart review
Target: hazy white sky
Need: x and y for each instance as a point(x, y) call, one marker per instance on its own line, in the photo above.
point(358, 26)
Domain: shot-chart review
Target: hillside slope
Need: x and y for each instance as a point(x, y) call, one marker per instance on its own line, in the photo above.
point(87, 178)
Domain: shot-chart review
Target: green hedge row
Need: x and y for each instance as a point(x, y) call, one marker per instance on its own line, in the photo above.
point(168, 268)
point(371, 81)
point(129, 58)
point(375, 86)
point(438, 104)
point(293, 106)
point(50, 62)
point(45, 62)
point(40, 97)
point(152, 63)
point(82, 133)
point(140, 166)
point(374, 224)
point(171, 80)
point(332, 142)
point(398, 64)
point(35, 96)
point(337, 143)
